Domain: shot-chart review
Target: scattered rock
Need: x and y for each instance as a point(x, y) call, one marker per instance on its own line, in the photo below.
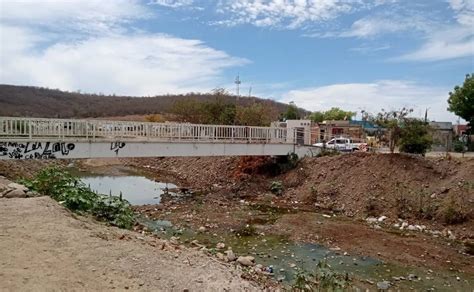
point(196, 243)
point(16, 193)
point(221, 256)
point(384, 285)
point(202, 229)
point(220, 245)
point(230, 255)
point(17, 187)
point(31, 194)
point(371, 220)
point(174, 240)
point(382, 218)
point(404, 225)
point(246, 260)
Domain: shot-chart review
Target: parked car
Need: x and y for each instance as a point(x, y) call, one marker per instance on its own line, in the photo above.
point(343, 144)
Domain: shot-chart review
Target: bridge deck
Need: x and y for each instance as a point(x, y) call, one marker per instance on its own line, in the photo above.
point(29, 128)
point(36, 138)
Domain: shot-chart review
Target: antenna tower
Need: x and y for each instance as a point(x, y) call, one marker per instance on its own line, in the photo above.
point(237, 84)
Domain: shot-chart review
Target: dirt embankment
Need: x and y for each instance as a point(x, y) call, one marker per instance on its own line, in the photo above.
point(45, 247)
point(434, 191)
point(15, 169)
point(379, 184)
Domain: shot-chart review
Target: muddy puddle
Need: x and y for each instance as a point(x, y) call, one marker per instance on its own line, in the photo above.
point(135, 187)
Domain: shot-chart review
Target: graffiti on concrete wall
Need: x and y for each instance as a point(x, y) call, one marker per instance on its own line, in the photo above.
point(35, 150)
point(116, 146)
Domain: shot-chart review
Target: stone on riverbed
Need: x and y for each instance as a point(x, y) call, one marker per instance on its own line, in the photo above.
point(246, 260)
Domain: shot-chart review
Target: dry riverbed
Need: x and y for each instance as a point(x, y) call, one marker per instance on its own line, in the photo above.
point(345, 209)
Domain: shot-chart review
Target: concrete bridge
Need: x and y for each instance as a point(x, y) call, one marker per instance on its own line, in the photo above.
point(37, 138)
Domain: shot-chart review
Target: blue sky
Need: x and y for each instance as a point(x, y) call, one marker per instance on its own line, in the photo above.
point(354, 54)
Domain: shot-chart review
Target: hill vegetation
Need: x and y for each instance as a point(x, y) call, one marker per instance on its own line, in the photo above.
point(53, 103)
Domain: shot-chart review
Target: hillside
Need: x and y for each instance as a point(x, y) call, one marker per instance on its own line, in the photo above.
point(44, 102)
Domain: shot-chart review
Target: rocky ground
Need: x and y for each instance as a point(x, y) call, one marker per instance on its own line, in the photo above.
point(44, 247)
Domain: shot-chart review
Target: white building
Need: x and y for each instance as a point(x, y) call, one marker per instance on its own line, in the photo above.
point(301, 130)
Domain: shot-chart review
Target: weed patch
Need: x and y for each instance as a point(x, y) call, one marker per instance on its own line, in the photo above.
point(324, 278)
point(76, 196)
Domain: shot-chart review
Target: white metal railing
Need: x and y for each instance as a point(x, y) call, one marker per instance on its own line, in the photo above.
point(39, 128)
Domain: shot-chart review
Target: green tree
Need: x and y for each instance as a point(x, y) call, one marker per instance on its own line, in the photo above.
point(461, 102)
point(415, 136)
point(317, 117)
point(291, 112)
point(390, 120)
point(334, 114)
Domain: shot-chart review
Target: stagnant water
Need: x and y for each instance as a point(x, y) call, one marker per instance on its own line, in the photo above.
point(134, 187)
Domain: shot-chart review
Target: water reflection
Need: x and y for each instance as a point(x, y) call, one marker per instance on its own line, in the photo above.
point(138, 190)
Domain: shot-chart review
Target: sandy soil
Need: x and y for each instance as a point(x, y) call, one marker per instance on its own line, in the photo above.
point(44, 247)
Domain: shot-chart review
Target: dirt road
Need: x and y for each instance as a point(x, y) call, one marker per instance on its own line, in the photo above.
point(45, 247)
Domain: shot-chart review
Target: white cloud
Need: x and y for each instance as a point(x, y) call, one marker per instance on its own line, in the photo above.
point(80, 15)
point(449, 42)
point(441, 39)
point(379, 25)
point(85, 45)
point(464, 11)
point(366, 49)
point(456, 42)
point(132, 65)
point(372, 97)
point(173, 3)
point(288, 13)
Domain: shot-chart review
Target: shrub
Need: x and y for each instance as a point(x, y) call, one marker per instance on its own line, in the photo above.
point(415, 137)
point(76, 196)
point(455, 208)
point(452, 213)
point(276, 187)
point(459, 146)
